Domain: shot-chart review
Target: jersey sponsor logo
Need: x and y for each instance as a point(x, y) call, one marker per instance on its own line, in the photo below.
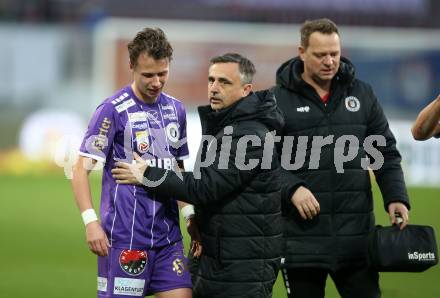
point(352, 103)
point(304, 109)
point(120, 98)
point(167, 107)
point(100, 140)
point(142, 126)
point(171, 116)
point(143, 143)
point(172, 131)
point(420, 256)
point(137, 117)
point(133, 262)
point(102, 284)
point(129, 286)
point(143, 147)
point(162, 163)
point(178, 266)
point(125, 105)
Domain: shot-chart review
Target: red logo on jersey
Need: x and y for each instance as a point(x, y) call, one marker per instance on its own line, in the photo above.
point(133, 262)
point(143, 147)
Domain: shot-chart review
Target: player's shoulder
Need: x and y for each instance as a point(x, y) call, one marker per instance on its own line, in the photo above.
point(119, 101)
point(169, 99)
point(169, 102)
point(119, 96)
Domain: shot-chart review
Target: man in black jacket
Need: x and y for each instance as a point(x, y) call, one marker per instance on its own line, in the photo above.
point(235, 186)
point(332, 122)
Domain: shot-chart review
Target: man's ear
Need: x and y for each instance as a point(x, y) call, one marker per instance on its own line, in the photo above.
point(247, 89)
point(301, 51)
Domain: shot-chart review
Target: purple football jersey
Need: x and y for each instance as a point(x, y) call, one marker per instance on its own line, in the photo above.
point(121, 125)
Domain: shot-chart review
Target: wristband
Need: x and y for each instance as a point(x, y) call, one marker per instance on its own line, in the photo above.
point(187, 212)
point(88, 216)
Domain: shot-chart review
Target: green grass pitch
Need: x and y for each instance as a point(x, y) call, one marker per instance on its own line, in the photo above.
point(43, 252)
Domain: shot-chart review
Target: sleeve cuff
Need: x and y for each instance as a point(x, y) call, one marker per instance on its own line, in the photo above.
point(92, 156)
point(404, 202)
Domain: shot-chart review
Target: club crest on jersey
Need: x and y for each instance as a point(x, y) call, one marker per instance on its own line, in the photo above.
point(172, 131)
point(143, 144)
point(352, 103)
point(178, 266)
point(133, 262)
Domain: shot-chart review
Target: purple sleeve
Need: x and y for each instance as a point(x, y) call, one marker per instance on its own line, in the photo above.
point(182, 151)
point(100, 133)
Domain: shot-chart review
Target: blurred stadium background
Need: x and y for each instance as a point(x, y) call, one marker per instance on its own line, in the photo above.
point(60, 58)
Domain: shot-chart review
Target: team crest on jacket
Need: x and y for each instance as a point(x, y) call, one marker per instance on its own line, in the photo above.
point(133, 262)
point(352, 103)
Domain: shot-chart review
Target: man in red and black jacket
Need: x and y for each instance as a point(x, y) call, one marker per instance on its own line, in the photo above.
point(335, 128)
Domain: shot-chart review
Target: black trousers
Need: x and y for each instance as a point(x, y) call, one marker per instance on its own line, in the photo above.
point(350, 282)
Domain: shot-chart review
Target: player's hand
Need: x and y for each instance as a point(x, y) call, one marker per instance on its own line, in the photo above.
point(402, 212)
point(305, 202)
point(196, 240)
point(125, 173)
point(97, 239)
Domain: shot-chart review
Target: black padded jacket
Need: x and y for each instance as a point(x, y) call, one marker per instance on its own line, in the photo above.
point(335, 170)
point(237, 199)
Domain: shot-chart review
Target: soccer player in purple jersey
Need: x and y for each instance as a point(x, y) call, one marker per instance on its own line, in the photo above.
point(427, 124)
point(138, 241)
point(235, 186)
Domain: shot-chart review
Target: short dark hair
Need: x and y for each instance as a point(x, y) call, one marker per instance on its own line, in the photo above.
point(245, 66)
point(152, 41)
point(324, 26)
